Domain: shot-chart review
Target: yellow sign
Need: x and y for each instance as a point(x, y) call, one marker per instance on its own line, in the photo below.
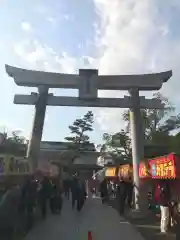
point(14, 165)
point(125, 171)
point(110, 172)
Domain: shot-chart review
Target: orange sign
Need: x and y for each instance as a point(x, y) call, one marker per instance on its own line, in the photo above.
point(110, 172)
point(163, 167)
point(143, 170)
point(125, 171)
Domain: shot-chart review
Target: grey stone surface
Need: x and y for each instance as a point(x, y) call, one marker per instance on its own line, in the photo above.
point(24, 77)
point(103, 221)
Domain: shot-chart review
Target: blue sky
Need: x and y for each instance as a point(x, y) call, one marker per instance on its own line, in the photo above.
point(117, 37)
point(62, 26)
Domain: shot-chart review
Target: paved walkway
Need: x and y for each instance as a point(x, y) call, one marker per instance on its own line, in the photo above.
point(104, 222)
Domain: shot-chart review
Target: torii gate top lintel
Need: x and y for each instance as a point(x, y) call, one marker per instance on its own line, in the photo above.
point(144, 82)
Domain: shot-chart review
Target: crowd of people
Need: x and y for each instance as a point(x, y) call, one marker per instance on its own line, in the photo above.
point(46, 193)
point(162, 200)
point(122, 190)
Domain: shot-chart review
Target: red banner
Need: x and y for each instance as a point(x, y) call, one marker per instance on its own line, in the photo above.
point(163, 167)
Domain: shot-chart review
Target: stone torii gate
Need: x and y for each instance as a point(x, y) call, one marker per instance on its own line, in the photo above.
point(88, 82)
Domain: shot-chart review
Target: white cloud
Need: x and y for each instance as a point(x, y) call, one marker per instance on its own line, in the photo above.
point(51, 19)
point(35, 55)
point(133, 37)
point(68, 17)
point(26, 26)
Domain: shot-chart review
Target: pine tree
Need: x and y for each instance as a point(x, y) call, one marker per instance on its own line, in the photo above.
point(79, 139)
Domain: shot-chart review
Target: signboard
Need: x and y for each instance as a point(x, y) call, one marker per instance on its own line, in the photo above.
point(14, 165)
point(163, 167)
point(19, 165)
point(110, 172)
point(87, 84)
point(125, 171)
point(3, 167)
point(144, 170)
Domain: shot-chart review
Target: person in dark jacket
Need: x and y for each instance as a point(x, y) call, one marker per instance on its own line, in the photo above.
point(78, 193)
point(28, 199)
point(67, 187)
point(55, 197)
point(130, 187)
point(52, 197)
point(74, 190)
point(44, 194)
point(122, 195)
point(104, 191)
point(82, 195)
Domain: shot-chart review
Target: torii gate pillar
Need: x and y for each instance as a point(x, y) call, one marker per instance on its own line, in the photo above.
point(37, 127)
point(137, 140)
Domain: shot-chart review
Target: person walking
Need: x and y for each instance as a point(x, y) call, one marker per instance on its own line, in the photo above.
point(52, 197)
point(130, 187)
point(44, 194)
point(104, 190)
point(57, 196)
point(78, 193)
point(28, 200)
point(82, 195)
point(122, 195)
point(164, 202)
point(74, 190)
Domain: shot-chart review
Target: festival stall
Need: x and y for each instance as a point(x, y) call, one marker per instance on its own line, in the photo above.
point(13, 165)
point(161, 168)
point(125, 172)
point(166, 168)
point(111, 173)
point(13, 170)
point(144, 170)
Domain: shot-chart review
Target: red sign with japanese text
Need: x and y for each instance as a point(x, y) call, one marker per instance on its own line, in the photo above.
point(163, 167)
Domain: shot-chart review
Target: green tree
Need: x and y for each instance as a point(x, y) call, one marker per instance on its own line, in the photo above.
point(118, 145)
point(79, 139)
point(13, 143)
point(175, 143)
point(157, 123)
point(156, 120)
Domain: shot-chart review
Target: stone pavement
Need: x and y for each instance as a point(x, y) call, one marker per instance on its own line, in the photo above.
point(104, 222)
